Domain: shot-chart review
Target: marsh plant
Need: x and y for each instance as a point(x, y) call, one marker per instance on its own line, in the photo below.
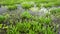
point(2, 18)
point(55, 11)
point(31, 27)
point(12, 30)
point(38, 25)
point(30, 3)
point(30, 24)
point(25, 23)
point(27, 5)
point(12, 7)
point(26, 14)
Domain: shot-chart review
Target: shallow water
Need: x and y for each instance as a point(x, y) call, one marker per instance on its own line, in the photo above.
point(2, 10)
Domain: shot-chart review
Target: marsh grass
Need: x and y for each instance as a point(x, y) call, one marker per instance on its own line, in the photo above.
point(55, 11)
point(47, 5)
point(25, 23)
point(35, 25)
point(27, 3)
point(26, 14)
point(12, 7)
point(2, 18)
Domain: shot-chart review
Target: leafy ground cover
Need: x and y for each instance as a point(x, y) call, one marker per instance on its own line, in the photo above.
point(30, 3)
point(26, 23)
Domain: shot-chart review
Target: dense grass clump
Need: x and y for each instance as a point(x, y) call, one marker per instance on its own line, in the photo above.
point(12, 7)
point(27, 5)
point(2, 18)
point(26, 15)
point(55, 11)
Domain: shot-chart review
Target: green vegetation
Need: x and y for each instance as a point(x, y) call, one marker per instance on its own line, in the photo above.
point(2, 18)
point(27, 5)
point(26, 14)
point(32, 27)
point(0, 25)
point(12, 7)
point(30, 3)
point(55, 11)
point(48, 5)
point(26, 23)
